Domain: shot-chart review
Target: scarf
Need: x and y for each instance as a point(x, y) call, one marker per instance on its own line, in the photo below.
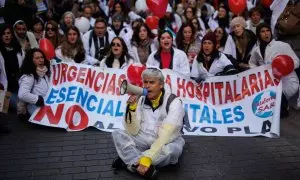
point(242, 43)
point(41, 72)
point(144, 50)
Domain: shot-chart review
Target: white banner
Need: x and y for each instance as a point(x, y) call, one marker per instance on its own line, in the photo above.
point(246, 104)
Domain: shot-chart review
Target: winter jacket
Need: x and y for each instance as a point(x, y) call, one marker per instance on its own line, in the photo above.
point(30, 90)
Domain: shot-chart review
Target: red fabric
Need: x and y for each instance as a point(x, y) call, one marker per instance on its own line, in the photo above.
point(165, 59)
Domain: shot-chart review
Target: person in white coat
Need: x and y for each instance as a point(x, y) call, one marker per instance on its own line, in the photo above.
point(220, 19)
point(26, 38)
point(121, 29)
point(118, 56)
point(210, 62)
point(153, 129)
point(11, 60)
point(34, 80)
point(96, 42)
point(265, 52)
point(255, 15)
point(240, 44)
point(142, 43)
point(72, 49)
point(167, 57)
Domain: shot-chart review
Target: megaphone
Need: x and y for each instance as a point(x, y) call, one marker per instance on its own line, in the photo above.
point(127, 88)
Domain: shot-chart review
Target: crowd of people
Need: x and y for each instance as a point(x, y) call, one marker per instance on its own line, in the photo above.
point(196, 38)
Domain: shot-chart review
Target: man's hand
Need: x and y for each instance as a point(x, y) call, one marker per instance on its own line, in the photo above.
point(132, 100)
point(142, 169)
point(244, 65)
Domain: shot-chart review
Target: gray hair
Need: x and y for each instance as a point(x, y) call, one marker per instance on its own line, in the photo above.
point(153, 72)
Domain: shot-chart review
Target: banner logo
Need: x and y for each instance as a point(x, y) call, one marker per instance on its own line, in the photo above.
point(264, 103)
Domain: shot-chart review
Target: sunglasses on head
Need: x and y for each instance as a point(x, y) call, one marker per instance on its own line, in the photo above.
point(115, 44)
point(52, 29)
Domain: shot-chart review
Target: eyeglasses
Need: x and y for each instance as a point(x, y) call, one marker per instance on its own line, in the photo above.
point(115, 44)
point(50, 29)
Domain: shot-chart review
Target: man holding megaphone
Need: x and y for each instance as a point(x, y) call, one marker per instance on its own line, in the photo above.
point(153, 124)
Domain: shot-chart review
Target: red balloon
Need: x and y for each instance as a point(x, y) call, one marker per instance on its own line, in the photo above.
point(282, 65)
point(237, 6)
point(157, 7)
point(47, 47)
point(134, 73)
point(266, 3)
point(152, 22)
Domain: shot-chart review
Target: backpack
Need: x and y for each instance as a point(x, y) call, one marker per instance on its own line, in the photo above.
point(185, 118)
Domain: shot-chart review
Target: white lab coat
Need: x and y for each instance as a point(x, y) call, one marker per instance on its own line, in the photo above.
point(290, 83)
point(180, 62)
point(86, 42)
point(218, 65)
point(3, 77)
point(30, 90)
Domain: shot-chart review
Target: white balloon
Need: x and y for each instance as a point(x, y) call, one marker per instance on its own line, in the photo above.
point(83, 24)
point(140, 5)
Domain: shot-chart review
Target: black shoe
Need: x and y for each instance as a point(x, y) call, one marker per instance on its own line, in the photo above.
point(118, 164)
point(5, 130)
point(152, 173)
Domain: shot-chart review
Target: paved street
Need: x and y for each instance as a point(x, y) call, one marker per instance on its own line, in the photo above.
point(37, 152)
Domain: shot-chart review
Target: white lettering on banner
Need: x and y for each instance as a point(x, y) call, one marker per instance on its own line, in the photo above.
point(246, 104)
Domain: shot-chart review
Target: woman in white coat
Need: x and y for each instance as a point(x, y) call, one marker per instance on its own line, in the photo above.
point(210, 62)
point(167, 57)
point(34, 81)
point(142, 43)
point(240, 44)
point(72, 49)
point(118, 56)
point(265, 52)
point(11, 59)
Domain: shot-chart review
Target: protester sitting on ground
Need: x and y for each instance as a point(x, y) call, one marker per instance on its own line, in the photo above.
point(11, 59)
point(267, 50)
point(187, 42)
point(34, 80)
point(52, 33)
point(72, 50)
point(67, 20)
point(26, 38)
point(255, 15)
point(118, 56)
point(210, 61)
point(142, 44)
point(167, 57)
point(152, 136)
point(96, 42)
point(221, 37)
point(240, 43)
